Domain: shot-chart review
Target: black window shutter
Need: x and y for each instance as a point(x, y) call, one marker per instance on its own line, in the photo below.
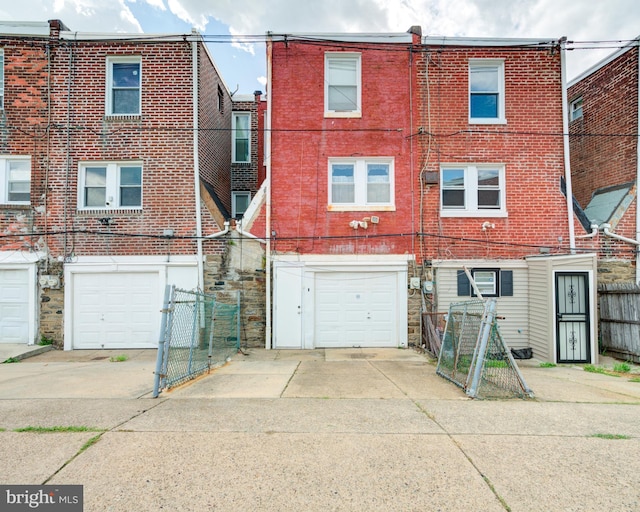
point(506, 283)
point(464, 287)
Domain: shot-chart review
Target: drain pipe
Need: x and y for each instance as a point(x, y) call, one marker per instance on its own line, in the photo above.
point(267, 157)
point(246, 233)
point(638, 175)
point(565, 137)
point(594, 232)
point(196, 160)
point(220, 233)
point(606, 229)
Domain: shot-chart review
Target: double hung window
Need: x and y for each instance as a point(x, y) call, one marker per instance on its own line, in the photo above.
point(124, 86)
point(342, 85)
point(365, 183)
point(486, 92)
point(110, 185)
point(575, 109)
point(472, 190)
point(15, 180)
point(241, 137)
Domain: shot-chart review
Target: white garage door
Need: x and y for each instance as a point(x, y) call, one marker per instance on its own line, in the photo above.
point(116, 310)
point(14, 306)
point(356, 309)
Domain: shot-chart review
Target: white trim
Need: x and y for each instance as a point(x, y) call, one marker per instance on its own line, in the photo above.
point(502, 264)
point(25, 261)
point(471, 208)
point(112, 186)
point(360, 183)
point(234, 195)
point(234, 132)
point(602, 63)
point(4, 178)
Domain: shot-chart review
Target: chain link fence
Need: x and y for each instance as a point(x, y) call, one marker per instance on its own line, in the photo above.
point(475, 357)
point(198, 332)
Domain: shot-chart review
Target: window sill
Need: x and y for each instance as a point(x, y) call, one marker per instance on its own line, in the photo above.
point(360, 208)
point(89, 212)
point(473, 214)
point(473, 120)
point(122, 117)
point(15, 206)
point(353, 114)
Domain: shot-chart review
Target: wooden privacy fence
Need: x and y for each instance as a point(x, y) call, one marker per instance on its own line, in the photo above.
point(620, 320)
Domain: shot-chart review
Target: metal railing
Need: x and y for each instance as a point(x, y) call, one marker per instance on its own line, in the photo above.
point(198, 332)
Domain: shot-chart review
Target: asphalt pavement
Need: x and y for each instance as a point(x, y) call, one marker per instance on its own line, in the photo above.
point(333, 429)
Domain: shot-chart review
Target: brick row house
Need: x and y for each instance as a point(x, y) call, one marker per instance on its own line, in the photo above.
point(394, 161)
point(115, 158)
point(604, 123)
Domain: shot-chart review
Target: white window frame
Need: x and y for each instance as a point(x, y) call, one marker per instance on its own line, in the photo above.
point(576, 109)
point(470, 208)
point(234, 156)
point(4, 179)
point(360, 185)
point(1, 78)
point(129, 59)
point(112, 192)
point(498, 66)
point(234, 196)
point(357, 57)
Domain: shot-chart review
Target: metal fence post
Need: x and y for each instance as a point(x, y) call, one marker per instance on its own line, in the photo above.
point(161, 341)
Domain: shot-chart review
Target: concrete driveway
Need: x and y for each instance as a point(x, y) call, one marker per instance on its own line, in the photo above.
point(318, 430)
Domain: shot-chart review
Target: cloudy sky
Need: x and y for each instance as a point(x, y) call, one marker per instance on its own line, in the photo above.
point(243, 64)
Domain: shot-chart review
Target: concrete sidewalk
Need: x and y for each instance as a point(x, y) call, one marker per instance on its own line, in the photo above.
point(319, 430)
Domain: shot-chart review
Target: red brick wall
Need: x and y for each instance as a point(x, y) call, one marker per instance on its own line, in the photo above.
point(303, 140)
point(23, 132)
point(604, 141)
point(530, 146)
point(214, 135)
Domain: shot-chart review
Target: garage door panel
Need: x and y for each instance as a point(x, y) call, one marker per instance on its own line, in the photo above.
point(116, 310)
point(14, 306)
point(356, 309)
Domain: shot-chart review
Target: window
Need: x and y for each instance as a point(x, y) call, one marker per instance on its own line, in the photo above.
point(239, 203)
point(491, 282)
point(241, 137)
point(361, 184)
point(576, 109)
point(1, 78)
point(123, 86)
point(15, 180)
point(473, 191)
point(486, 92)
point(342, 85)
point(110, 185)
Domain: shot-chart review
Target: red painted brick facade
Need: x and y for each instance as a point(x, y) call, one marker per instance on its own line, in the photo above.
point(303, 140)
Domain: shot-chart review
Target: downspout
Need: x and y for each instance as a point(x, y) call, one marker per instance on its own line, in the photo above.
point(565, 137)
point(638, 169)
point(594, 232)
point(606, 230)
point(267, 158)
point(246, 233)
point(220, 233)
point(196, 159)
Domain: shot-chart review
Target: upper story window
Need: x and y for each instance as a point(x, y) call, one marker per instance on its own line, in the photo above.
point(15, 180)
point(472, 191)
point(239, 203)
point(575, 109)
point(124, 86)
point(220, 100)
point(241, 148)
point(342, 85)
point(361, 184)
point(110, 185)
point(486, 92)
point(1, 78)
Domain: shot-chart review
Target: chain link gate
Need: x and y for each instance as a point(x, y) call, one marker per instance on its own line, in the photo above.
point(198, 331)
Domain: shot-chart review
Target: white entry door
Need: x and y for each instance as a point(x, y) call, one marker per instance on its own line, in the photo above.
point(14, 306)
point(116, 310)
point(356, 309)
point(287, 328)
